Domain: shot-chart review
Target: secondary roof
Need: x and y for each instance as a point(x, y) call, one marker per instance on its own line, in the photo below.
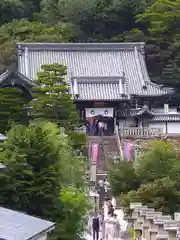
point(19, 226)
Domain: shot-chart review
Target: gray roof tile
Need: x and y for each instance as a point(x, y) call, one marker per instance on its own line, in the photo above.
point(136, 112)
point(166, 118)
point(153, 117)
point(19, 226)
point(98, 60)
point(102, 88)
point(13, 74)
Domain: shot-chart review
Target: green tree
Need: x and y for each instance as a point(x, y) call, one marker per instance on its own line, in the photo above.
point(52, 100)
point(161, 195)
point(98, 20)
point(75, 207)
point(12, 108)
point(29, 31)
point(123, 178)
point(78, 140)
point(163, 17)
point(39, 162)
point(15, 9)
point(157, 161)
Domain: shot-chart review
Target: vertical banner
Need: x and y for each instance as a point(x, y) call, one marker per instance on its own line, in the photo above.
point(94, 152)
point(128, 151)
point(166, 108)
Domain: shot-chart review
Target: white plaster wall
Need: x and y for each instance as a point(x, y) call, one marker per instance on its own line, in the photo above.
point(173, 127)
point(43, 237)
point(161, 110)
point(158, 125)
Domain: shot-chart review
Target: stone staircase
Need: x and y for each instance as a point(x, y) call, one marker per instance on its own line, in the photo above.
point(108, 150)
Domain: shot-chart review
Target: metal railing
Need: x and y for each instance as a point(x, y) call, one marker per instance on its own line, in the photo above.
point(140, 132)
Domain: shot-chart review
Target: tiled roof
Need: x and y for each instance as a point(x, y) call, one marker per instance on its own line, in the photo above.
point(98, 60)
point(103, 88)
point(154, 117)
point(19, 226)
point(135, 112)
point(166, 118)
point(10, 75)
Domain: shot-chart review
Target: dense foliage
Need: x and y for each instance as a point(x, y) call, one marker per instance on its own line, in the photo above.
point(40, 169)
point(152, 180)
point(12, 107)
point(155, 21)
point(51, 98)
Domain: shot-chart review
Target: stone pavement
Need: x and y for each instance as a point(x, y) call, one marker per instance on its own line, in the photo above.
point(123, 223)
point(90, 237)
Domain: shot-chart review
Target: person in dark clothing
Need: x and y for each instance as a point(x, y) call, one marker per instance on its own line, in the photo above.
point(96, 226)
point(110, 209)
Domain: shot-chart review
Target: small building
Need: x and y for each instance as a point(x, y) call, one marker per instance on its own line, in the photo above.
point(19, 226)
point(108, 81)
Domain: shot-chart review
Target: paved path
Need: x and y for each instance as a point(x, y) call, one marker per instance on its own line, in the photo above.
point(120, 215)
point(89, 237)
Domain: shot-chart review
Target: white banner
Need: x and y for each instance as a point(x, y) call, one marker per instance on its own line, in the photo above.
point(106, 112)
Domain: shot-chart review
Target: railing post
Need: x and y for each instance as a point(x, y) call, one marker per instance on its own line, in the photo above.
point(140, 131)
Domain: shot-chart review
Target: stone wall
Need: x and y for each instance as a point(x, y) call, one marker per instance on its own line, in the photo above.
point(151, 225)
point(145, 143)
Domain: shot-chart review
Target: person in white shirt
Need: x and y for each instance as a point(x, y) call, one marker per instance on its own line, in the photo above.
point(113, 202)
point(101, 128)
point(116, 233)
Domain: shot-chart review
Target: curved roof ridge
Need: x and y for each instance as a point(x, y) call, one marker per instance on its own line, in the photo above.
point(148, 81)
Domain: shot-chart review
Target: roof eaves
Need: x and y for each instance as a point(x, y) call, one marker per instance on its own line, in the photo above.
point(161, 87)
point(37, 236)
point(152, 95)
point(80, 46)
point(101, 99)
point(98, 79)
point(5, 75)
point(166, 117)
point(26, 79)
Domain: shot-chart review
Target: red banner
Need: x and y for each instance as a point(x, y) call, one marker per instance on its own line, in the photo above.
point(94, 152)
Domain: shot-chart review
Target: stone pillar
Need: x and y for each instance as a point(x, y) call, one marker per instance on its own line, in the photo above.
point(135, 210)
point(152, 233)
point(144, 225)
point(149, 221)
point(171, 226)
point(162, 237)
point(159, 223)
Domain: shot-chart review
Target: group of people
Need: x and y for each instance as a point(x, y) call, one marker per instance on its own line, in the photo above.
point(97, 128)
point(108, 223)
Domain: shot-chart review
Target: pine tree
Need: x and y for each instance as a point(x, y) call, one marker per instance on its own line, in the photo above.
point(51, 98)
point(12, 107)
point(40, 168)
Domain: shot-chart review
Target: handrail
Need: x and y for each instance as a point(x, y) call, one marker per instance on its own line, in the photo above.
point(119, 142)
